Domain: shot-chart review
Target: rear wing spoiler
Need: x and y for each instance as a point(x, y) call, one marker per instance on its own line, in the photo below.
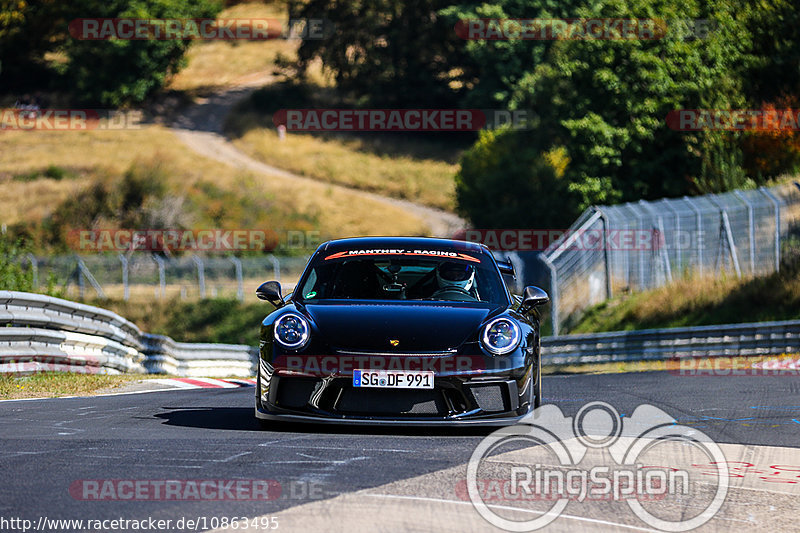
point(506, 267)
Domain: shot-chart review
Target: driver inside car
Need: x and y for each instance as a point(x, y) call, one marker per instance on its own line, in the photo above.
point(454, 279)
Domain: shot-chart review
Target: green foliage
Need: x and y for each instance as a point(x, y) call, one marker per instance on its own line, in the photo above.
point(106, 72)
point(603, 102)
point(701, 302)
point(126, 202)
point(226, 321)
point(506, 182)
point(389, 52)
point(210, 320)
point(15, 277)
point(53, 172)
point(121, 71)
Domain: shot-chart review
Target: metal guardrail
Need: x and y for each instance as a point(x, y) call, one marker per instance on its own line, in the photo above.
point(164, 355)
point(46, 333)
point(733, 340)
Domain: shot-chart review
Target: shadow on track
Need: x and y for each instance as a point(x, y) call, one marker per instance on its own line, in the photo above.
point(243, 419)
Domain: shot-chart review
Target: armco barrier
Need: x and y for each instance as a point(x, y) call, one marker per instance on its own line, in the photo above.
point(46, 333)
point(164, 355)
point(734, 340)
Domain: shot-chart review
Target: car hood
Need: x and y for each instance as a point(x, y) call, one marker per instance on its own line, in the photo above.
point(416, 327)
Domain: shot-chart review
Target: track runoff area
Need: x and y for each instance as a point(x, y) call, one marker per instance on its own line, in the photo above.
point(651, 451)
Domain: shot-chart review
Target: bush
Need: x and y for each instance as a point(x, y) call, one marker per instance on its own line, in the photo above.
point(107, 72)
point(13, 275)
point(119, 72)
point(505, 182)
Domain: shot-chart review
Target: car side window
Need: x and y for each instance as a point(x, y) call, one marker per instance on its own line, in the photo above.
point(309, 290)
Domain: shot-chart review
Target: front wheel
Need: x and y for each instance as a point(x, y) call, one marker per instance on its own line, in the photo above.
point(262, 424)
point(537, 386)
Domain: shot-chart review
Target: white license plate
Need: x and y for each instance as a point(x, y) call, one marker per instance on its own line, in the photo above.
point(393, 379)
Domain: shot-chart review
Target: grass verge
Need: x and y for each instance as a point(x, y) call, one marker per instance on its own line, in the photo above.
point(217, 189)
point(217, 64)
point(55, 384)
point(418, 167)
point(701, 302)
point(212, 320)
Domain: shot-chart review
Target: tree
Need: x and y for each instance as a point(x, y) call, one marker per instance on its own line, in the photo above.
point(106, 72)
point(604, 102)
point(389, 52)
point(506, 182)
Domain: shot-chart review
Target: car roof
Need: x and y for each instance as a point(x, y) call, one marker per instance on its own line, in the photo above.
point(339, 245)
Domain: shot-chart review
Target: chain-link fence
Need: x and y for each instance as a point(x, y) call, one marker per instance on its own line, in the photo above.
point(643, 245)
point(146, 276)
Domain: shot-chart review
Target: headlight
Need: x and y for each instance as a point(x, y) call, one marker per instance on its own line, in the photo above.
point(501, 336)
point(292, 331)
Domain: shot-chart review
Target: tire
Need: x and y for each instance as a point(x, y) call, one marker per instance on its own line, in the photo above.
point(262, 424)
point(537, 386)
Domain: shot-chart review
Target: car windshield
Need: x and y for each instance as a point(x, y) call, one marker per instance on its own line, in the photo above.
point(389, 277)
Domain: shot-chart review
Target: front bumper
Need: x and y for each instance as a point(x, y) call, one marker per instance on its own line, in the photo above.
point(492, 400)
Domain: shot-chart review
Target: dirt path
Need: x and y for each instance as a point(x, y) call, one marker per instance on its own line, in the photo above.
point(200, 128)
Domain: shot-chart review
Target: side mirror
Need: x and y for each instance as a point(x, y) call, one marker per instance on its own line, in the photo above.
point(533, 296)
point(271, 292)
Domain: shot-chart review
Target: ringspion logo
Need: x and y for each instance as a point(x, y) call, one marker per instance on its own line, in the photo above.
point(598, 454)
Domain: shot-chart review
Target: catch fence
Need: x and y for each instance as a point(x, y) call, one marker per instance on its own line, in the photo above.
point(643, 245)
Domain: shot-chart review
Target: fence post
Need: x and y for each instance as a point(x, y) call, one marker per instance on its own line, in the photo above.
point(237, 265)
point(675, 243)
point(662, 251)
point(162, 281)
point(201, 275)
point(126, 289)
point(774, 201)
point(606, 259)
point(34, 269)
point(83, 272)
point(751, 227)
point(699, 219)
point(725, 226)
point(731, 245)
point(554, 319)
point(276, 268)
point(639, 224)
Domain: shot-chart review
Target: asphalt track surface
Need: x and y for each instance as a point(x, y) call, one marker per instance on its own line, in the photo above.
point(48, 445)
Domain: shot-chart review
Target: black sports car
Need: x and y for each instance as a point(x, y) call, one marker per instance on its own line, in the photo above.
point(400, 330)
